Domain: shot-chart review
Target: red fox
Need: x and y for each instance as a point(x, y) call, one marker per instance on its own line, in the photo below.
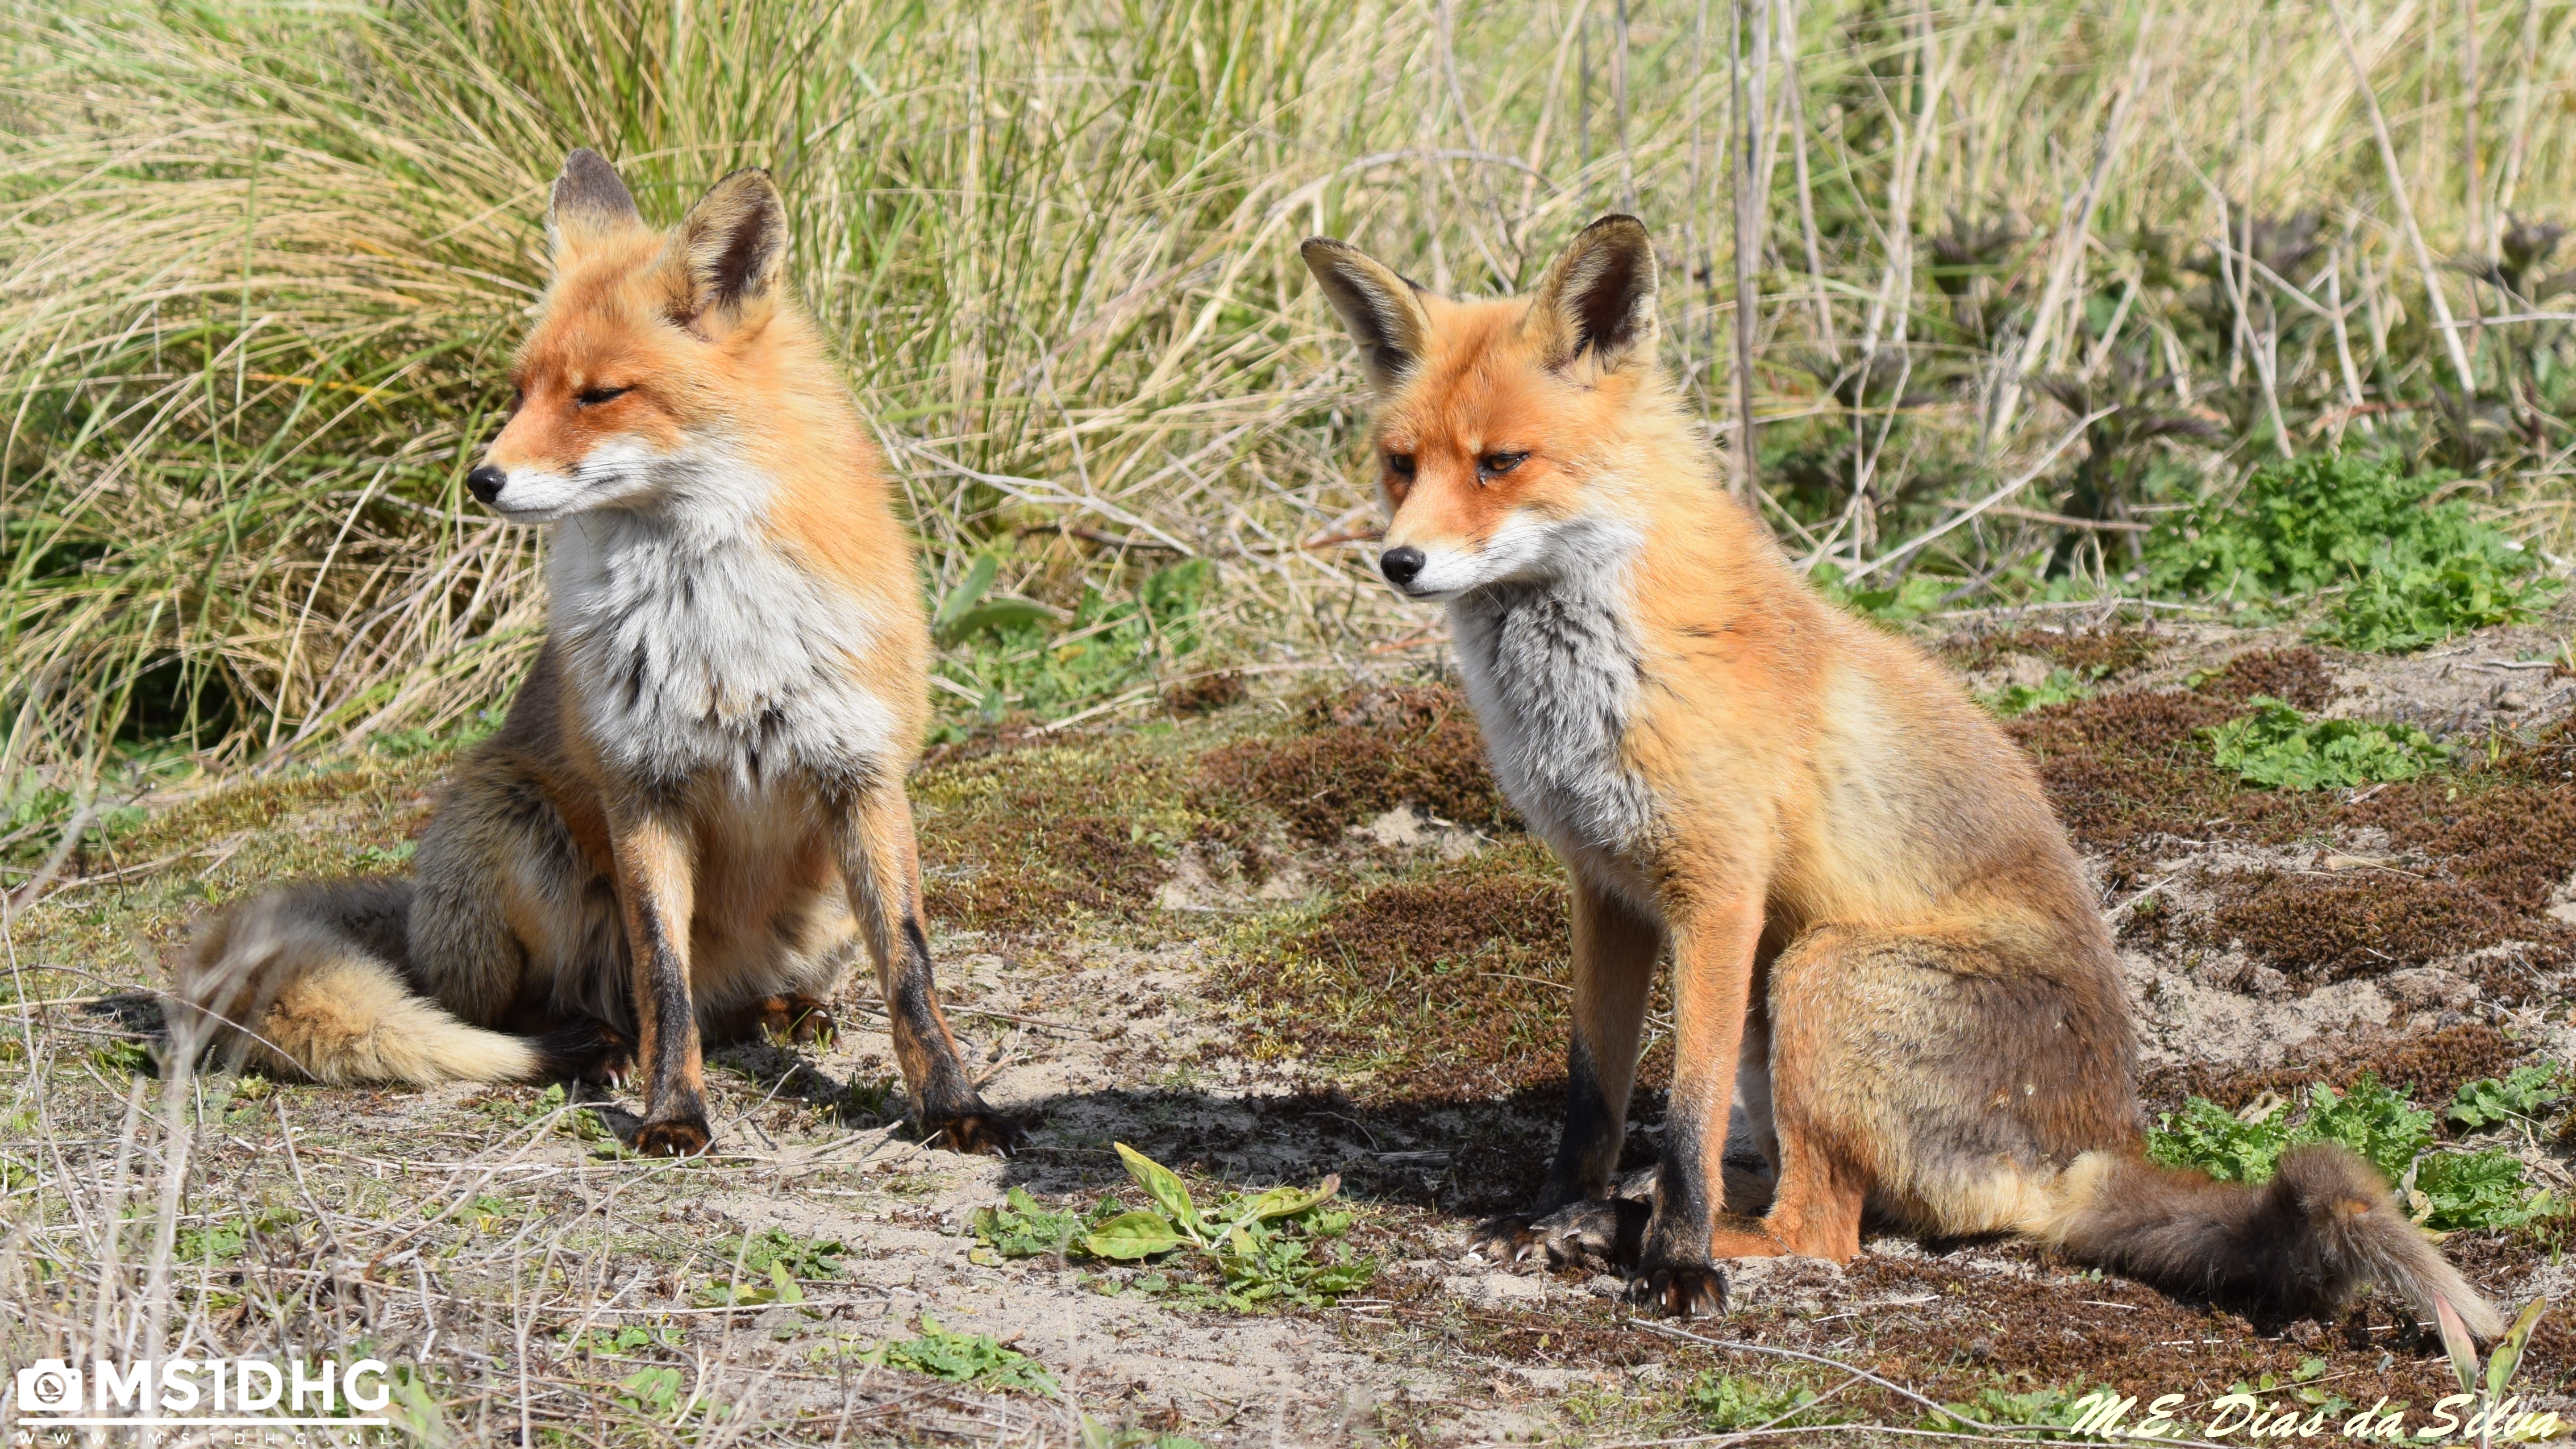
point(694, 815)
point(1881, 939)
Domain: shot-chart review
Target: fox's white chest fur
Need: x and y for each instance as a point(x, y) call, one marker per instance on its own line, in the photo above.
point(702, 648)
point(1552, 669)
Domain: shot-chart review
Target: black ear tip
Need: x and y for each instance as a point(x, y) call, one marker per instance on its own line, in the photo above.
point(1619, 221)
point(1316, 248)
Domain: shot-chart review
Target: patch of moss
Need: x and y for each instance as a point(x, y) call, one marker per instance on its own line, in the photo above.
point(1453, 984)
point(1358, 754)
point(2430, 1068)
point(2090, 653)
point(2294, 676)
point(2122, 767)
point(1018, 840)
point(1206, 693)
point(2514, 842)
point(2327, 929)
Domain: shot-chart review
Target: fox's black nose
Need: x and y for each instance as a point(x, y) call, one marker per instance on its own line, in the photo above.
point(485, 482)
point(1400, 565)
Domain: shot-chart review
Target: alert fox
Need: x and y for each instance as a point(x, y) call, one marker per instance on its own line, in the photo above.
point(1881, 939)
point(694, 815)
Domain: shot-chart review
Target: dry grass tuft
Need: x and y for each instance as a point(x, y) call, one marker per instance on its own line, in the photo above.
point(260, 268)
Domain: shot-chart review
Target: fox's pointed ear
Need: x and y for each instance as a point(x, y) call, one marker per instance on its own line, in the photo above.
point(588, 203)
point(1382, 311)
point(1599, 297)
point(729, 250)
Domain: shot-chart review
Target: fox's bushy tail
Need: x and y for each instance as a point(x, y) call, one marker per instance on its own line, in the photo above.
point(309, 978)
point(2299, 1244)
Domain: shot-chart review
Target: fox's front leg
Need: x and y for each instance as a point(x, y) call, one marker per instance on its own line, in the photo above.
point(1614, 969)
point(1713, 948)
point(874, 840)
point(656, 888)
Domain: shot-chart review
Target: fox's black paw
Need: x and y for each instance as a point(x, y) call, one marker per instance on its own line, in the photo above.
point(1685, 1291)
point(1506, 1239)
point(678, 1137)
point(588, 1052)
point(1602, 1232)
point(989, 1133)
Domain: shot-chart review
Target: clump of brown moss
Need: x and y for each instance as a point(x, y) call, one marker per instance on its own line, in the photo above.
point(1452, 986)
point(1206, 694)
point(1015, 840)
point(1360, 753)
point(2431, 1068)
point(2094, 653)
point(1009, 878)
point(2121, 767)
point(2293, 676)
point(2513, 841)
point(2328, 929)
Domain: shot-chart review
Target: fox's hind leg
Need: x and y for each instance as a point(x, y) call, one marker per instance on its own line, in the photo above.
point(1933, 1076)
point(1614, 968)
point(875, 842)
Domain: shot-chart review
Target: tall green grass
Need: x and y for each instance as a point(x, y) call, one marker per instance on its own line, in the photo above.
point(260, 265)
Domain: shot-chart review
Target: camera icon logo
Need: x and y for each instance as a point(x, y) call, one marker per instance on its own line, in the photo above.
point(49, 1386)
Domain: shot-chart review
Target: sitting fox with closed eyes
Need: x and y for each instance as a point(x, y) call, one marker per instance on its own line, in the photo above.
point(695, 815)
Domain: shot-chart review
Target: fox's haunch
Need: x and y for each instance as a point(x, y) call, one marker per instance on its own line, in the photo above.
point(309, 979)
point(2298, 1245)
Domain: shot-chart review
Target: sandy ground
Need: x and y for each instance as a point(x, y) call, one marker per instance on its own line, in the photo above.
point(1120, 1027)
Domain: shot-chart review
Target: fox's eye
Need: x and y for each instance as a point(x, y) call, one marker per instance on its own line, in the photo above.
point(1495, 465)
point(598, 395)
point(1400, 464)
point(518, 399)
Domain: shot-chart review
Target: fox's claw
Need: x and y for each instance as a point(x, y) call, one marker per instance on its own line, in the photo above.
point(1609, 1232)
point(678, 1137)
point(1683, 1292)
point(989, 1133)
point(1506, 1239)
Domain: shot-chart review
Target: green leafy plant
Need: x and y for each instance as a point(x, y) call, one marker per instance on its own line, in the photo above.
point(2062, 686)
point(1724, 1403)
point(2414, 570)
point(2445, 1190)
point(1096, 1435)
point(779, 1258)
point(407, 744)
point(964, 1358)
point(2371, 1119)
point(2522, 1094)
point(1916, 595)
point(629, 1339)
point(1020, 1227)
point(2312, 523)
point(2396, 608)
point(964, 613)
point(2455, 1190)
point(1263, 1246)
point(2276, 745)
point(2035, 1408)
point(1050, 665)
point(651, 1392)
point(776, 1247)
